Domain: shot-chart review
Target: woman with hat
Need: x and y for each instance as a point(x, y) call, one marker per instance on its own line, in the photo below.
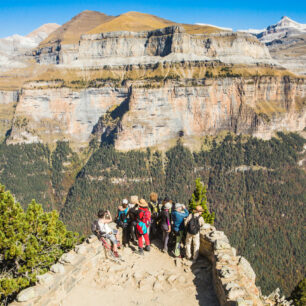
point(143, 224)
point(194, 223)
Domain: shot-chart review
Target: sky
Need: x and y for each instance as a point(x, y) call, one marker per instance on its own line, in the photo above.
point(23, 16)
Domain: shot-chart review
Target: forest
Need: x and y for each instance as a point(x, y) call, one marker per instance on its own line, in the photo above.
point(255, 187)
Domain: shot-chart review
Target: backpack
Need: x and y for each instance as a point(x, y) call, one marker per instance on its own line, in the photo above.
point(95, 228)
point(193, 226)
point(143, 221)
point(122, 218)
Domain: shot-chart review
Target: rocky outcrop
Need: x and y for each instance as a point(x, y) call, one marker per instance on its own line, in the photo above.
point(233, 276)
point(140, 115)
point(168, 44)
point(8, 101)
point(221, 275)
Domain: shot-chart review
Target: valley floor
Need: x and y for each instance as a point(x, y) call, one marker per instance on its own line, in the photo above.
point(152, 279)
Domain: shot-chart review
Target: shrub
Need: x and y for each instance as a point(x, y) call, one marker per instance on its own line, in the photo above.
point(30, 242)
point(199, 198)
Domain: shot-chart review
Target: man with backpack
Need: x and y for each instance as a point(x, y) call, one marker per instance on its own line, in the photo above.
point(178, 216)
point(193, 223)
point(101, 229)
point(142, 226)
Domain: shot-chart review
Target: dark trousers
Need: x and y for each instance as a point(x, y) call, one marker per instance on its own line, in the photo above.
point(125, 235)
point(132, 231)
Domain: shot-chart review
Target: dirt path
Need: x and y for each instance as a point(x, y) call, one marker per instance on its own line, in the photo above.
point(152, 279)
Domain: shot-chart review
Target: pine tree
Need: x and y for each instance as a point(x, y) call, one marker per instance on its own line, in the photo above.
point(30, 242)
point(199, 198)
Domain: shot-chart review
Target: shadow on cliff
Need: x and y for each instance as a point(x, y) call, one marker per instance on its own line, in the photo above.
point(203, 282)
point(109, 124)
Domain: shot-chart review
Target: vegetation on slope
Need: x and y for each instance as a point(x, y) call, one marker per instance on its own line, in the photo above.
point(298, 295)
point(30, 242)
point(254, 186)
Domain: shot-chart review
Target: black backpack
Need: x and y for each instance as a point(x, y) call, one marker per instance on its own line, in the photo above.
point(193, 226)
point(95, 228)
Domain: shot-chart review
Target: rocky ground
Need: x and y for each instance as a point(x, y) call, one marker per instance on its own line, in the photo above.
point(152, 279)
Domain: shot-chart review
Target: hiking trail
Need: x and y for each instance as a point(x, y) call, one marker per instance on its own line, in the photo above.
point(154, 278)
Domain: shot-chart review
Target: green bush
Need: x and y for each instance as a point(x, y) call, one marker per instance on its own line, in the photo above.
point(30, 242)
point(298, 295)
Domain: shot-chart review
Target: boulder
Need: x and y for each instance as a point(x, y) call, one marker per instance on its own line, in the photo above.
point(246, 268)
point(80, 249)
point(45, 279)
point(26, 295)
point(58, 268)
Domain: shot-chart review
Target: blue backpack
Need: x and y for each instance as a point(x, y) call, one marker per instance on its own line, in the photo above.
point(122, 220)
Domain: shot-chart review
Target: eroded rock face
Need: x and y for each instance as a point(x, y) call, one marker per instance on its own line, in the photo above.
point(147, 117)
point(47, 115)
point(243, 106)
point(169, 44)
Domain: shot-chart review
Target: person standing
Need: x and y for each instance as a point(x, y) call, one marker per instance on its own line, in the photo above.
point(122, 221)
point(178, 216)
point(165, 224)
point(132, 214)
point(154, 209)
point(143, 223)
point(194, 223)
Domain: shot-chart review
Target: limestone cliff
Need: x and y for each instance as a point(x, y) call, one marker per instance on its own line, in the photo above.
point(173, 44)
point(140, 114)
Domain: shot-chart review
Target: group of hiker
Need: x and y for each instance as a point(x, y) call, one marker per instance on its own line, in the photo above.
point(142, 222)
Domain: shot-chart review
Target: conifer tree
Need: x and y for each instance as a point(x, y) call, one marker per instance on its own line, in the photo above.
point(30, 242)
point(199, 198)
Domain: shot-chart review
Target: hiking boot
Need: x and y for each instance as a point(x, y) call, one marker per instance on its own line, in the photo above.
point(165, 251)
point(147, 248)
point(140, 251)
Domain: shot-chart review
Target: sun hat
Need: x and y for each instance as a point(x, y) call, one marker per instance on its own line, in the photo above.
point(178, 205)
point(143, 203)
point(134, 199)
point(199, 208)
point(167, 205)
point(125, 201)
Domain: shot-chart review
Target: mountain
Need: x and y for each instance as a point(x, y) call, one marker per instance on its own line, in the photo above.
point(132, 22)
point(14, 49)
point(286, 41)
point(284, 28)
point(70, 32)
point(43, 31)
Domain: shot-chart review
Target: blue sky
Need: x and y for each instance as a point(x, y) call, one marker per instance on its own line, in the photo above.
point(22, 16)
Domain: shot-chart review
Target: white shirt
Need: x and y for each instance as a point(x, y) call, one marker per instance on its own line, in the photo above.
point(104, 227)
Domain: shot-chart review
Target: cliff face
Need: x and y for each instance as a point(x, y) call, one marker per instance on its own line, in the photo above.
point(8, 100)
point(168, 44)
point(140, 114)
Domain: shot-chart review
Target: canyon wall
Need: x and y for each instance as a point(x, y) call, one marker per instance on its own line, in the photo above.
point(168, 44)
point(140, 114)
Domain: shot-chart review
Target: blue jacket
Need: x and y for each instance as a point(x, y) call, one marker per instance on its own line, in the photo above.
point(178, 219)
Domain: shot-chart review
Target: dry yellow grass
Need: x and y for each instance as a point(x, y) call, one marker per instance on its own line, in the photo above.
point(269, 108)
point(70, 32)
point(137, 22)
point(156, 74)
point(133, 22)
